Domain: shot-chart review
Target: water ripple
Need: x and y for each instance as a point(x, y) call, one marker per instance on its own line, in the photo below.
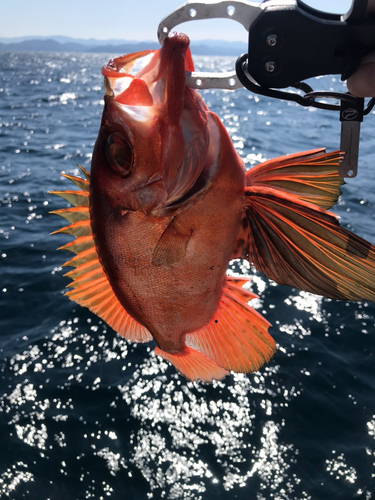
point(109, 419)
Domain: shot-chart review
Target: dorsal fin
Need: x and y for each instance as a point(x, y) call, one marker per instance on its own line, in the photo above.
point(90, 285)
point(79, 228)
point(80, 244)
point(84, 171)
point(73, 214)
point(83, 184)
point(76, 198)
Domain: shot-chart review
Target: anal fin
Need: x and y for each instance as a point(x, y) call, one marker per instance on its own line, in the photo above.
point(235, 339)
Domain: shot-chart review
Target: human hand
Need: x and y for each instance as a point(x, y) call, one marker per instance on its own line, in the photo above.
point(362, 83)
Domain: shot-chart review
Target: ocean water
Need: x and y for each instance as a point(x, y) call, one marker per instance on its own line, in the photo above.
point(85, 414)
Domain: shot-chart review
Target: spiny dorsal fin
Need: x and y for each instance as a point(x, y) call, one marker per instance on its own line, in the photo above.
point(81, 183)
point(84, 171)
point(76, 198)
point(79, 245)
point(83, 269)
point(73, 214)
point(79, 228)
point(82, 258)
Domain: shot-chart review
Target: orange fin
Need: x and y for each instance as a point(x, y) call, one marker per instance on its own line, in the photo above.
point(80, 244)
point(73, 214)
point(76, 198)
point(79, 228)
point(90, 285)
point(237, 336)
point(194, 365)
point(298, 244)
point(85, 172)
point(312, 176)
point(83, 184)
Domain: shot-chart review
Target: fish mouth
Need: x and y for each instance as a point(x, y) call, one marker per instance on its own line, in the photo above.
point(185, 133)
point(156, 102)
point(151, 78)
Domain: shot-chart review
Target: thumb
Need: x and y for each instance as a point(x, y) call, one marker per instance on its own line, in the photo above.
point(362, 83)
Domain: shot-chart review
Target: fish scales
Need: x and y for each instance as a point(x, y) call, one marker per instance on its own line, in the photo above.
point(169, 205)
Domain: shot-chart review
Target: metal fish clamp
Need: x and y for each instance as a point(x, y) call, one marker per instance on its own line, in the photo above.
point(351, 116)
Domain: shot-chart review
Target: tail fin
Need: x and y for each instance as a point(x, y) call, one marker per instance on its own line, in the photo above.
point(299, 244)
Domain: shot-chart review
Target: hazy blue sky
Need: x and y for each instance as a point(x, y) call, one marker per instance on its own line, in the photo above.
point(123, 19)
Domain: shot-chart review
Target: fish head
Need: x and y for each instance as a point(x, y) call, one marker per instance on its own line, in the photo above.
point(153, 144)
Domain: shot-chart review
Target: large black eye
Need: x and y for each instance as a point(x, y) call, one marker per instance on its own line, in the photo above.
point(119, 154)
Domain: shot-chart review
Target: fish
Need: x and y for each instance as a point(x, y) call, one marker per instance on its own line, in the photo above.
point(168, 204)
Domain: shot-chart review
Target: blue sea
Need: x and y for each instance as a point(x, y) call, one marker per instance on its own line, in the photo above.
point(84, 414)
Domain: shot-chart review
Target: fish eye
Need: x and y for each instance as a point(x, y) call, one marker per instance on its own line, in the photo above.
point(119, 154)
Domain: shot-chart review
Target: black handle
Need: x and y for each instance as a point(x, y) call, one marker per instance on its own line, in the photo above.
point(289, 43)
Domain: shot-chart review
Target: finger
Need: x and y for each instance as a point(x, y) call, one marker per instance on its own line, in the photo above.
point(362, 83)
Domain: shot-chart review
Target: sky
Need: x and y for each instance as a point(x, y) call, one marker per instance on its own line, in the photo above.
point(121, 19)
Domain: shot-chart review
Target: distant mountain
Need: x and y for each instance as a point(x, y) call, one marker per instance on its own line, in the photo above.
point(91, 42)
point(42, 45)
point(66, 44)
point(125, 47)
point(224, 49)
point(217, 43)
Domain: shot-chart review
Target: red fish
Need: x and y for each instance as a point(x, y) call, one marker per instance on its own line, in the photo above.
point(168, 204)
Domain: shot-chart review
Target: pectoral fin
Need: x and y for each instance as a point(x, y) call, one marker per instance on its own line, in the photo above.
point(171, 247)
